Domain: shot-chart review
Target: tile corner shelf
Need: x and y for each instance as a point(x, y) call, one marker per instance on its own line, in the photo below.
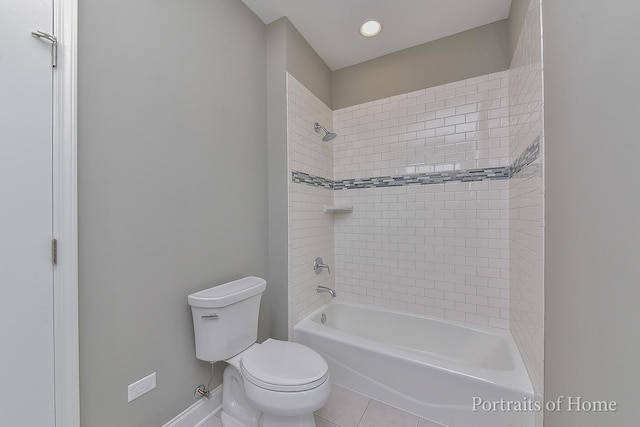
point(338, 208)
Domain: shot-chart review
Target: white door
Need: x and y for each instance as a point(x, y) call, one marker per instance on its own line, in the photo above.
point(26, 270)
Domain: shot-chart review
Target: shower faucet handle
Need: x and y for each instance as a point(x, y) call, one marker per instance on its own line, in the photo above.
point(318, 265)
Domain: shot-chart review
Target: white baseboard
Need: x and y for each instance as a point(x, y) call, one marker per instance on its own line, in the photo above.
point(200, 412)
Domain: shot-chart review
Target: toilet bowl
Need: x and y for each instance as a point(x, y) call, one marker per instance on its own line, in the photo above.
point(273, 384)
point(283, 382)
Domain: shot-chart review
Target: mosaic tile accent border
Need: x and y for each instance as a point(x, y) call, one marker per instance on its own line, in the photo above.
point(316, 181)
point(401, 180)
point(526, 158)
point(424, 178)
point(529, 156)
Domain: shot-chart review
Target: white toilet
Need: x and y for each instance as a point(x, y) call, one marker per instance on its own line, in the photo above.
point(273, 384)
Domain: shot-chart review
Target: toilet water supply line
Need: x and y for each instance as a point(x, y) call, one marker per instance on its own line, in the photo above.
point(201, 390)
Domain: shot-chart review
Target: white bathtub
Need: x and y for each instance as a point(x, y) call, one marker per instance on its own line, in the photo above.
point(428, 366)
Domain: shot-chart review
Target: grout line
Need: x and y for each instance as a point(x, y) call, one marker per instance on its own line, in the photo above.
point(330, 422)
point(364, 412)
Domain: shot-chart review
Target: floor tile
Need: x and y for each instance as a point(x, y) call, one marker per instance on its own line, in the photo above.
point(427, 423)
point(344, 408)
point(321, 422)
point(213, 421)
point(379, 414)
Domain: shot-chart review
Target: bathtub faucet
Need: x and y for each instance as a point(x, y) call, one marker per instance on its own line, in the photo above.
point(327, 290)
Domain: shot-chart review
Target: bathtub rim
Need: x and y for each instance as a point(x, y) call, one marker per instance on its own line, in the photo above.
point(515, 379)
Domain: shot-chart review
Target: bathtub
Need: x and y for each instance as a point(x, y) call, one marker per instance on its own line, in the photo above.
point(431, 367)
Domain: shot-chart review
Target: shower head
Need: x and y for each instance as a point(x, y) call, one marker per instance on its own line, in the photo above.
point(328, 135)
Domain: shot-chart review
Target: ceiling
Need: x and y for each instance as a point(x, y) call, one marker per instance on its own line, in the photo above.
point(332, 26)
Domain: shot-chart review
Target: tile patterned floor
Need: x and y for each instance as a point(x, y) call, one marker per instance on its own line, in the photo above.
point(213, 421)
point(346, 408)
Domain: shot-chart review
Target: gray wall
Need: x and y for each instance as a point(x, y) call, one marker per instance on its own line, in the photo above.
point(592, 273)
point(277, 294)
point(304, 63)
point(288, 51)
point(515, 22)
point(172, 196)
point(482, 50)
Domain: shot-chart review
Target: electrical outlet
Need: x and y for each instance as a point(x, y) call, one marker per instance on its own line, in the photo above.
point(141, 387)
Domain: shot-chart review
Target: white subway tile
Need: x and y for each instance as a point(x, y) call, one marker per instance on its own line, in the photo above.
point(445, 112)
point(456, 101)
point(448, 130)
point(466, 127)
point(467, 108)
point(411, 249)
point(464, 90)
point(454, 120)
point(444, 94)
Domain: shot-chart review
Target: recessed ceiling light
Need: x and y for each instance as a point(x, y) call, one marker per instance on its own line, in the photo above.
point(371, 28)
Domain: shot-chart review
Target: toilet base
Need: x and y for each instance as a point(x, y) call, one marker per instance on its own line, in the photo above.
point(237, 411)
point(275, 421)
point(268, 421)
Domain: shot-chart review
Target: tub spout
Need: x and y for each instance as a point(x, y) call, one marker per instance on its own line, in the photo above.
point(327, 290)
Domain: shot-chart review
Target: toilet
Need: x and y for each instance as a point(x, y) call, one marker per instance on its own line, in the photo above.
point(273, 384)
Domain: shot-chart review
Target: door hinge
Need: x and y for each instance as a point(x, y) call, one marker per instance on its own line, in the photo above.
point(54, 251)
point(54, 45)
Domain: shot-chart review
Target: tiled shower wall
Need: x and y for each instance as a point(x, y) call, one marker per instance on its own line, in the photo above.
point(310, 229)
point(432, 230)
point(439, 248)
point(526, 189)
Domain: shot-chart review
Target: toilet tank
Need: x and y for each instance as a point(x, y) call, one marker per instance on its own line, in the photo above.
point(225, 318)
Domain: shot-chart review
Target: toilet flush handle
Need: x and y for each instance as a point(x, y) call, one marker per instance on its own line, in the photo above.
point(209, 316)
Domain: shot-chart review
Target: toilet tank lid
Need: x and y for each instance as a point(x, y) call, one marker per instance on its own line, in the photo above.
point(228, 293)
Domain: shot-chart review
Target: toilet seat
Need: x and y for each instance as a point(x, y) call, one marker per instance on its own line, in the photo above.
point(283, 366)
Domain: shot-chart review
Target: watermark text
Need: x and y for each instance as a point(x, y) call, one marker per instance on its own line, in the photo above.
point(562, 403)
